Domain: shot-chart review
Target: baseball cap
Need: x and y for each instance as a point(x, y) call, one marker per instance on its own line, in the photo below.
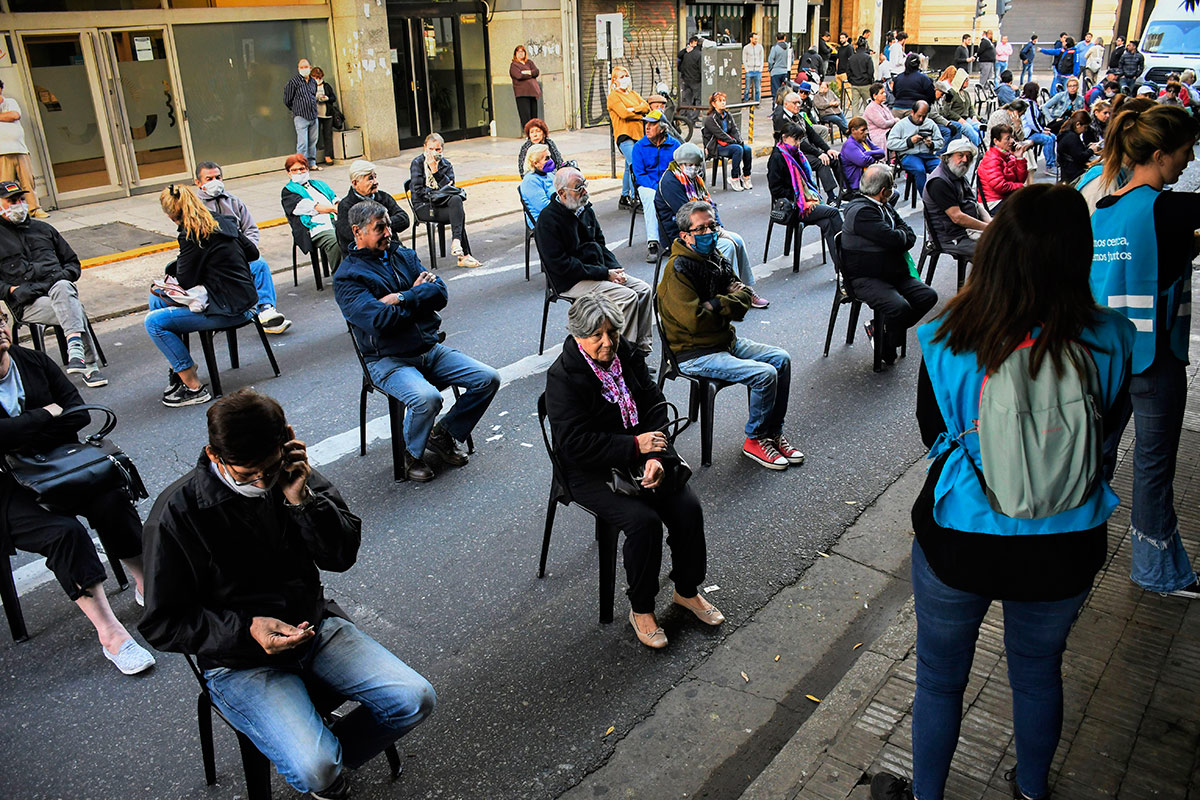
point(653, 116)
point(1144, 89)
point(10, 189)
point(961, 146)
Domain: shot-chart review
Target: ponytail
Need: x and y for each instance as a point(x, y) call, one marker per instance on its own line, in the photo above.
point(181, 204)
point(1138, 131)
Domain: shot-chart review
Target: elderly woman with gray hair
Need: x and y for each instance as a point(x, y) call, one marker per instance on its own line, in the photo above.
point(606, 411)
point(364, 185)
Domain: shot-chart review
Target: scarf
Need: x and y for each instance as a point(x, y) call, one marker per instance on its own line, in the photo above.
point(693, 187)
point(430, 170)
point(614, 390)
point(803, 183)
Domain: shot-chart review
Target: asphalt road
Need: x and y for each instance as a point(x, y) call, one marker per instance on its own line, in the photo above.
point(528, 682)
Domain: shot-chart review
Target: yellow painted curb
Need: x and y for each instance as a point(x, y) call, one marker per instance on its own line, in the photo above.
point(162, 247)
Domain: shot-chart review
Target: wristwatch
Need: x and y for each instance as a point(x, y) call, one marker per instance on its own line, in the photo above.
point(304, 501)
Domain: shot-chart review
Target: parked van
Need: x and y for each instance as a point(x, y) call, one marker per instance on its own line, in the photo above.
point(1171, 41)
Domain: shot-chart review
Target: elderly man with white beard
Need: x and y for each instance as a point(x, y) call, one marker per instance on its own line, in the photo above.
point(955, 216)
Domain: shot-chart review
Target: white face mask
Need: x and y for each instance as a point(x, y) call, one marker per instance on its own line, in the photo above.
point(691, 170)
point(17, 212)
point(250, 490)
point(304, 71)
point(213, 189)
point(300, 177)
point(433, 155)
point(624, 82)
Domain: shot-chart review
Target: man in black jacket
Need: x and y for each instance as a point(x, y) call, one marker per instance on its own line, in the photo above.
point(963, 55)
point(987, 59)
point(860, 70)
point(577, 260)
point(233, 550)
point(38, 270)
point(689, 61)
point(364, 185)
point(875, 245)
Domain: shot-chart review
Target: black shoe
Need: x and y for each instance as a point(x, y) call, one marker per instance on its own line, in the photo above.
point(188, 397)
point(174, 384)
point(415, 469)
point(651, 251)
point(885, 786)
point(1011, 777)
point(338, 790)
point(625, 202)
point(443, 445)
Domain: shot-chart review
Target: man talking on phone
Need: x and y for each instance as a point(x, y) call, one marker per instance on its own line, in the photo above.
point(232, 556)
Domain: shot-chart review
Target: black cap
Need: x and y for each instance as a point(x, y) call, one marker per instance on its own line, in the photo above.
point(10, 189)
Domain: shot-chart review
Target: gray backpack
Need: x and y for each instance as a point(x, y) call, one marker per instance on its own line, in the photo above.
point(1040, 438)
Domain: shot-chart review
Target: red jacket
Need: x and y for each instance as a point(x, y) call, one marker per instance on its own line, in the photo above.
point(1001, 174)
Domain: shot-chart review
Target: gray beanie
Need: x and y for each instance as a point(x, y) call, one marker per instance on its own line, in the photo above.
point(688, 153)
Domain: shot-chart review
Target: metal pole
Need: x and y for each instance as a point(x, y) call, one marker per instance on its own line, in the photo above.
point(612, 142)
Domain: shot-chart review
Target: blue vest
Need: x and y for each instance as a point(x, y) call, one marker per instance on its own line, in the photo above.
point(959, 501)
point(1125, 276)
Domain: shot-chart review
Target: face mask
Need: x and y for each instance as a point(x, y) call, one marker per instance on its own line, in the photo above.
point(300, 178)
point(245, 491)
point(548, 166)
point(705, 243)
point(304, 71)
point(625, 82)
point(16, 213)
point(214, 188)
point(433, 155)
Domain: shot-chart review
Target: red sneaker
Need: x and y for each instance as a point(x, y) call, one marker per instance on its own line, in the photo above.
point(764, 452)
point(792, 455)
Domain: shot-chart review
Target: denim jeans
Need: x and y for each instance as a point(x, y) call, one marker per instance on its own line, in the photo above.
point(1048, 147)
point(733, 247)
point(263, 282)
point(837, 120)
point(955, 130)
point(1059, 82)
point(740, 156)
point(627, 184)
point(1000, 67)
point(417, 382)
point(1035, 635)
point(166, 323)
point(306, 138)
point(273, 708)
point(753, 87)
point(1026, 72)
point(777, 82)
point(919, 165)
point(1157, 398)
point(766, 370)
point(651, 217)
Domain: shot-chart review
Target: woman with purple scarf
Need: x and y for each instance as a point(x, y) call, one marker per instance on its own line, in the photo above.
point(790, 176)
point(606, 411)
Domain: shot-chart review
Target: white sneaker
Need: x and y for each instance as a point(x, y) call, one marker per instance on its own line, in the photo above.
point(269, 317)
point(746, 182)
point(736, 184)
point(131, 658)
point(283, 325)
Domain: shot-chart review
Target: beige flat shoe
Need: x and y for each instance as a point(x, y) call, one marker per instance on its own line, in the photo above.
point(709, 616)
point(656, 640)
point(469, 261)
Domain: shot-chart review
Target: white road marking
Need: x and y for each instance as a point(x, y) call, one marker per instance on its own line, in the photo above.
point(479, 272)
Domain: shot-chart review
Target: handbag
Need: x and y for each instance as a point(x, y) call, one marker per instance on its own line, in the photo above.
point(783, 210)
point(65, 473)
point(441, 195)
point(337, 117)
point(676, 472)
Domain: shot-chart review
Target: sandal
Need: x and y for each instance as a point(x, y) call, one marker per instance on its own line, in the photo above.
point(465, 260)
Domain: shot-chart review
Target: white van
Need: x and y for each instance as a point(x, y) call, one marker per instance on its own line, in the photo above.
point(1171, 41)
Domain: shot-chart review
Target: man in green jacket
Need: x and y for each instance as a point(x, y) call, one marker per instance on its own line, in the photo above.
point(699, 298)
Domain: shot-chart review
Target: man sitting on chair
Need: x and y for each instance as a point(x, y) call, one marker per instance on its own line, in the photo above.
point(232, 552)
point(364, 185)
point(391, 303)
point(950, 202)
point(577, 260)
point(875, 245)
point(699, 297)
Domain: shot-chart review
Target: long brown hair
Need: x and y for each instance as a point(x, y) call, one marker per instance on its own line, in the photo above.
point(1031, 268)
point(1134, 135)
point(182, 205)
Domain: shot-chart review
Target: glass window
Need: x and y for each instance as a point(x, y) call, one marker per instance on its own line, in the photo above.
point(475, 75)
point(1177, 37)
point(240, 3)
point(233, 78)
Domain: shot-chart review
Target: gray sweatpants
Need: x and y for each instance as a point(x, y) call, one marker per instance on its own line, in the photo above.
point(633, 298)
point(61, 306)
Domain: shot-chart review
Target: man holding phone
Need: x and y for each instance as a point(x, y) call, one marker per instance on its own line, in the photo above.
point(232, 552)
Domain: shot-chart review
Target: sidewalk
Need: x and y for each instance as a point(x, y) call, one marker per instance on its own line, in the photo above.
point(1131, 690)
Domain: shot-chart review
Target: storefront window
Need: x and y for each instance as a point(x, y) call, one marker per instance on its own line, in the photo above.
point(233, 79)
point(30, 6)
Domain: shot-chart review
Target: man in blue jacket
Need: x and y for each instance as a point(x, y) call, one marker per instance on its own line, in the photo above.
point(652, 155)
point(391, 303)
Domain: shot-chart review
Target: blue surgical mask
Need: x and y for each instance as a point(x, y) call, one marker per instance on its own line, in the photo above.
point(705, 243)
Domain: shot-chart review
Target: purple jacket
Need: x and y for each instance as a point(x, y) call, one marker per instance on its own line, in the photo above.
point(857, 157)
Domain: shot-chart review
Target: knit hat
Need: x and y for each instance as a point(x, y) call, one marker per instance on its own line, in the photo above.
point(688, 153)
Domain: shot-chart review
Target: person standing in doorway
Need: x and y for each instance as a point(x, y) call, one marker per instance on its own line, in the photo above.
point(300, 97)
point(14, 153)
point(326, 100)
point(753, 58)
point(526, 89)
point(689, 77)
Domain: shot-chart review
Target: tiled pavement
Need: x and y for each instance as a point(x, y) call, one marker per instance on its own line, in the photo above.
point(1131, 678)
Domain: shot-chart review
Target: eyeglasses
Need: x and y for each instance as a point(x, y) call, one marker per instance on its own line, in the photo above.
point(367, 175)
point(703, 229)
point(266, 476)
point(580, 188)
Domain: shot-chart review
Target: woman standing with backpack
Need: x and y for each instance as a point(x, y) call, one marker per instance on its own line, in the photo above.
point(1143, 268)
point(1030, 278)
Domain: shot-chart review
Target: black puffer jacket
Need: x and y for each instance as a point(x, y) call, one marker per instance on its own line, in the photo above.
point(33, 257)
point(221, 264)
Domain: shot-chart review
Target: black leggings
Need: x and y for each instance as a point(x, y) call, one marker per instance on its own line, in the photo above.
point(68, 549)
point(527, 108)
point(452, 213)
point(642, 522)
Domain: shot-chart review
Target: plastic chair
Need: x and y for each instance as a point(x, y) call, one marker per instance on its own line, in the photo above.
point(932, 249)
point(529, 223)
point(634, 210)
point(302, 242)
point(429, 228)
point(842, 295)
point(552, 296)
point(606, 534)
point(723, 162)
point(37, 336)
point(793, 231)
point(210, 355)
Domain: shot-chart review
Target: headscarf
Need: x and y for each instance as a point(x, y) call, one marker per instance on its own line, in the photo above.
point(803, 182)
point(614, 390)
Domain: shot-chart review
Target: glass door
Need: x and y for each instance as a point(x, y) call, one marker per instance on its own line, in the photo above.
point(145, 107)
point(65, 84)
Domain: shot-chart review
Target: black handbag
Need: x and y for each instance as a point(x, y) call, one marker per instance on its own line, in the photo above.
point(337, 118)
point(783, 210)
point(441, 195)
point(65, 473)
point(676, 472)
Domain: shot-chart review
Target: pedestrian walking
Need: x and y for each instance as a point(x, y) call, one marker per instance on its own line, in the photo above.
point(300, 97)
point(14, 153)
point(1027, 54)
point(753, 59)
point(526, 89)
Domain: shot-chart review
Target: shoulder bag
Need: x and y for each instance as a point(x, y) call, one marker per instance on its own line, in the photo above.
point(441, 195)
point(67, 473)
point(676, 471)
point(782, 210)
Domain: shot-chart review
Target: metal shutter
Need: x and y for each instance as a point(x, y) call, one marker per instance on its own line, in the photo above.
point(1046, 18)
point(651, 43)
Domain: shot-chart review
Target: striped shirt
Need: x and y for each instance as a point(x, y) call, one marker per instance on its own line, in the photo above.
point(300, 96)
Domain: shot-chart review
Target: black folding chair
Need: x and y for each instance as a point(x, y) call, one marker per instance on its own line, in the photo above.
point(37, 337)
point(932, 249)
point(552, 296)
point(529, 223)
point(843, 295)
point(430, 225)
point(255, 765)
point(302, 243)
point(210, 353)
point(723, 163)
point(793, 233)
point(634, 210)
point(606, 534)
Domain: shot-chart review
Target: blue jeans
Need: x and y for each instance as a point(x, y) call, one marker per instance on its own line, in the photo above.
point(777, 82)
point(273, 708)
point(263, 282)
point(1049, 145)
point(955, 130)
point(836, 120)
point(1059, 82)
point(740, 157)
point(1035, 635)
point(1157, 398)
point(1000, 67)
point(417, 382)
point(919, 165)
point(753, 87)
point(649, 214)
point(306, 138)
point(766, 370)
point(166, 323)
point(733, 247)
point(1026, 72)
point(627, 184)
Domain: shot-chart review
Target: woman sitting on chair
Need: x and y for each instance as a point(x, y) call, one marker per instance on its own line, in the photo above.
point(537, 187)
point(430, 172)
point(606, 411)
point(314, 203)
point(790, 176)
point(213, 256)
